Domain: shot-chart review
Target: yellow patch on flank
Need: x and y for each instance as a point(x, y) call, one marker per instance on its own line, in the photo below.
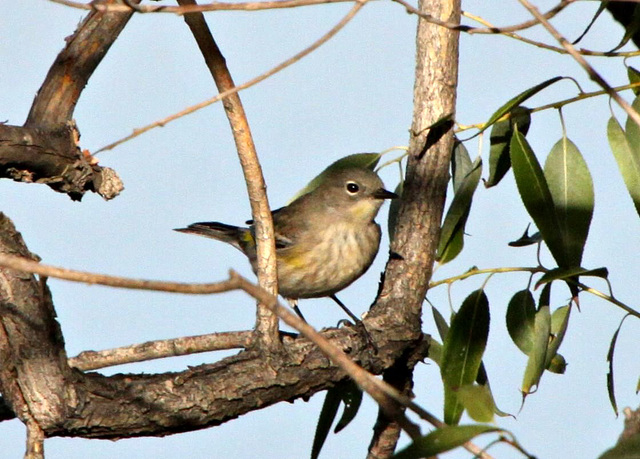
point(294, 260)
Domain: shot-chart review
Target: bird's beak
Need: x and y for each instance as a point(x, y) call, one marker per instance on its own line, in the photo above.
point(384, 194)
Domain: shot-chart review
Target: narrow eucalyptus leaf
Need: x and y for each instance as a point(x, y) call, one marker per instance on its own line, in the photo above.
point(634, 77)
point(521, 314)
point(571, 188)
point(610, 382)
point(537, 355)
point(441, 323)
point(327, 416)
point(478, 401)
point(517, 100)
point(570, 273)
point(535, 194)
point(500, 138)
point(559, 325)
point(452, 232)
point(628, 160)
point(461, 164)
point(462, 351)
point(352, 398)
point(443, 439)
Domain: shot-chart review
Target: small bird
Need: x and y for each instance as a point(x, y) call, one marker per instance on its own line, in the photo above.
point(325, 239)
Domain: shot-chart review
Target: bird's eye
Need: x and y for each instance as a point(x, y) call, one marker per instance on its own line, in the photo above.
point(352, 187)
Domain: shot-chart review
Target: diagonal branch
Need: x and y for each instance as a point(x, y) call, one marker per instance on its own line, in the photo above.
point(56, 100)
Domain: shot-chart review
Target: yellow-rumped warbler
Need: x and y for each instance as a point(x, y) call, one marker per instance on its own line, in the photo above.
point(325, 239)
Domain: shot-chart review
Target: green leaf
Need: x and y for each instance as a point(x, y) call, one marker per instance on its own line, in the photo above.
point(462, 351)
point(500, 139)
point(557, 365)
point(526, 239)
point(452, 233)
point(537, 355)
point(630, 29)
point(571, 273)
point(461, 164)
point(443, 439)
point(601, 8)
point(369, 160)
point(628, 159)
point(478, 401)
point(634, 77)
point(327, 415)
point(535, 195)
point(545, 296)
point(517, 100)
point(394, 208)
point(352, 398)
point(347, 393)
point(521, 314)
point(435, 351)
point(441, 323)
point(559, 324)
point(610, 385)
point(571, 189)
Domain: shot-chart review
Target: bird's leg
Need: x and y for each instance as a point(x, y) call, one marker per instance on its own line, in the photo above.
point(294, 304)
point(345, 309)
point(357, 322)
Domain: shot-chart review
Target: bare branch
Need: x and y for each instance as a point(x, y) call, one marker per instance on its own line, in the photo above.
point(34, 155)
point(93, 360)
point(584, 52)
point(30, 266)
point(595, 76)
point(266, 322)
point(56, 100)
point(35, 441)
point(284, 64)
point(184, 9)
point(478, 30)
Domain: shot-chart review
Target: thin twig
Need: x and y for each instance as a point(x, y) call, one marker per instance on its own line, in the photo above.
point(266, 321)
point(533, 270)
point(539, 44)
point(93, 360)
point(593, 75)
point(479, 30)
point(185, 9)
point(284, 64)
point(30, 266)
point(35, 440)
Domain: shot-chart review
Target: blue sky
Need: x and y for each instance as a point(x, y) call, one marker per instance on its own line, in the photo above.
point(352, 95)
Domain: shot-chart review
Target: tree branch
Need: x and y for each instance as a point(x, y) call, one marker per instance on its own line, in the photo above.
point(93, 360)
point(35, 155)
point(266, 322)
point(56, 100)
point(94, 406)
point(46, 149)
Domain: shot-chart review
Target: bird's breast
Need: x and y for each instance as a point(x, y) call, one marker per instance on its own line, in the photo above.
point(328, 260)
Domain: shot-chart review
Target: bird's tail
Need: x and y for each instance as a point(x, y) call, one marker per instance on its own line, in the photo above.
point(240, 238)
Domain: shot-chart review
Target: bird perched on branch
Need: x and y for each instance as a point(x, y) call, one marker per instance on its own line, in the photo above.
point(325, 239)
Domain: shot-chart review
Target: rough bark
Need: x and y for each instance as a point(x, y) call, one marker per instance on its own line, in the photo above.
point(46, 149)
point(95, 406)
point(52, 157)
point(40, 387)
